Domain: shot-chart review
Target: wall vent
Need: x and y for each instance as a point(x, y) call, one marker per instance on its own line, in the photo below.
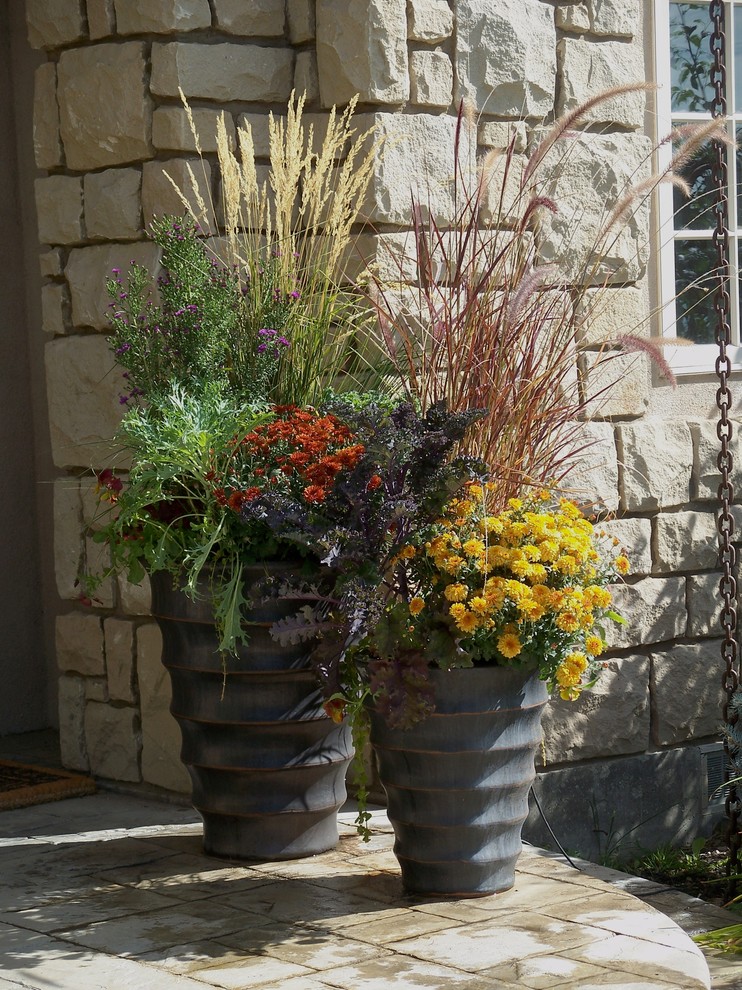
point(713, 764)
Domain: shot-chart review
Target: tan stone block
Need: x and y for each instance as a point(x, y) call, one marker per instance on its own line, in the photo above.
point(362, 50)
point(616, 384)
point(706, 445)
point(119, 647)
point(494, 36)
point(704, 604)
point(67, 536)
point(96, 689)
point(112, 741)
point(101, 23)
point(586, 69)
point(94, 136)
point(52, 23)
point(79, 644)
point(135, 599)
point(608, 314)
point(657, 458)
point(71, 707)
point(160, 199)
point(112, 204)
point(223, 72)
point(431, 79)
point(259, 18)
point(306, 77)
point(97, 563)
point(429, 21)
point(585, 178)
point(593, 476)
point(84, 410)
point(161, 741)
point(615, 17)
point(686, 692)
point(574, 17)
point(59, 209)
point(87, 270)
point(53, 304)
point(612, 719)
point(635, 538)
point(686, 541)
point(301, 21)
point(654, 609)
point(503, 201)
point(408, 169)
point(161, 16)
point(50, 263)
point(499, 134)
point(258, 124)
point(171, 130)
point(46, 137)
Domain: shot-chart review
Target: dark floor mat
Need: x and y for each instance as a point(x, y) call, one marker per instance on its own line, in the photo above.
point(22, 784)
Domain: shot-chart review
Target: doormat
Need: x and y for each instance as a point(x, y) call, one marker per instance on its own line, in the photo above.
point(22, 785)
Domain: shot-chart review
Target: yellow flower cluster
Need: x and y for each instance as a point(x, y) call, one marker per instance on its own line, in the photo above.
point(528, 580)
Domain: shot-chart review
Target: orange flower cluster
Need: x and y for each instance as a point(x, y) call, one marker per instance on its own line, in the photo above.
point(299, 449)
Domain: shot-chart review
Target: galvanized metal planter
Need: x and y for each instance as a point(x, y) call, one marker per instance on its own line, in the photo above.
point(457, 783)
point(267, 764)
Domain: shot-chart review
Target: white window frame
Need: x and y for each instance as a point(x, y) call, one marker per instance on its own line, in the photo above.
point(700, 359)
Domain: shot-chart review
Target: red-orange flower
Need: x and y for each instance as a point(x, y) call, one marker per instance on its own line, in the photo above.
point(313, 493)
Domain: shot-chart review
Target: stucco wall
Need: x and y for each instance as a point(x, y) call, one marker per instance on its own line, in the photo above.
point(108, 120)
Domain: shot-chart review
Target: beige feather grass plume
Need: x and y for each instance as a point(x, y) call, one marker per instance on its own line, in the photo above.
point(289, 227)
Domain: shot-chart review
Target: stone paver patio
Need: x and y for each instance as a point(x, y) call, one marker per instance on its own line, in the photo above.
point(111, 892)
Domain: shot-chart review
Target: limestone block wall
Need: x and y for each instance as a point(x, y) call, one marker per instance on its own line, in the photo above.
point(108, 123)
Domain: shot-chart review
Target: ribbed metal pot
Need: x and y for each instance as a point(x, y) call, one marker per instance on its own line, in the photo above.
point(267, 764)
point(457, 783)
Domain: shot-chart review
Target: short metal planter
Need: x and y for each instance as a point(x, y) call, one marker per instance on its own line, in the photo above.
point(267, 764)
point(457, 783)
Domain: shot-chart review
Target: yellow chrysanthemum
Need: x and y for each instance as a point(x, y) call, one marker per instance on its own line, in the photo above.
point(407, 553)
point(509, 645)
point(594, 645)
point(577, 660)
point(417, 604)
point(597, 597)
point(568, 622)
point(479, 605)
point(457, 610)
point(622, 564)
point(473, 548)
point(456, 593)
point(569, 693)
point(467, 622)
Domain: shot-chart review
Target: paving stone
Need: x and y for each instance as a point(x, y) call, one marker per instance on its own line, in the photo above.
point(642, 958)
point(544, 972)
point(157, 930)
point(82, 907)
point(472, 948)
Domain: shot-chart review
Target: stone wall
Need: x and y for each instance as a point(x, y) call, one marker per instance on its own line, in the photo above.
point(109, 122)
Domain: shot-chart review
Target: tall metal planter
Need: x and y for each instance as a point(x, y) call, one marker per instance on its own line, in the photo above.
point(457, 783)
point(267, 764)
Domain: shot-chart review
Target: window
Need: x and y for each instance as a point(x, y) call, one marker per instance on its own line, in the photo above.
point(687, 255)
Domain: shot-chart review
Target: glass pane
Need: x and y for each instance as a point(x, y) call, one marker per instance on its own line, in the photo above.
point(695, 262)
point(690, 58)
point(697, 211)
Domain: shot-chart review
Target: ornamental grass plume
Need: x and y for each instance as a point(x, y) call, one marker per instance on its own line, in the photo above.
point(289, 232)
point(504, 290)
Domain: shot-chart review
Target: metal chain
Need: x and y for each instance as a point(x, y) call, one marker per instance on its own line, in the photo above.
point(725, 521)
